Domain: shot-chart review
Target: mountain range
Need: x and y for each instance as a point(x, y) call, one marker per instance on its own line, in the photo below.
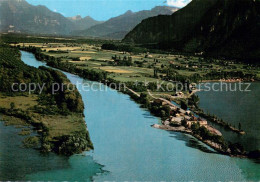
point(21, 17)
point(229, 28)
point(118, 27)
point(84, 23)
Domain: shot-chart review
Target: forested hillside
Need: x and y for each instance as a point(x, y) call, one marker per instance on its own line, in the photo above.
point(228, 28)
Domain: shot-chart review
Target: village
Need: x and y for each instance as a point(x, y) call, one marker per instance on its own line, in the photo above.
point(182, 120)
point(185, 121)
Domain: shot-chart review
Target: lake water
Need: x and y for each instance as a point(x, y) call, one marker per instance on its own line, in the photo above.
point(235, 107)
point(130, 149)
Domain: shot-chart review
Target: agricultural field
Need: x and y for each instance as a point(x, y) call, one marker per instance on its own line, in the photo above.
point(92, 56)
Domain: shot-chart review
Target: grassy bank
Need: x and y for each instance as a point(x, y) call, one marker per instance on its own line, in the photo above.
point(57, 118)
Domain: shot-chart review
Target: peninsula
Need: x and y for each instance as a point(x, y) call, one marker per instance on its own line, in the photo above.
point(57, 118)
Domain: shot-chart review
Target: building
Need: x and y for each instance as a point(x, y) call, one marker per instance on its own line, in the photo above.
point(203, 123)
point(176, 120)
point(160, 102)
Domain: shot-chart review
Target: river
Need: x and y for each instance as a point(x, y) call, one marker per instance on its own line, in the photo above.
point(129, 149)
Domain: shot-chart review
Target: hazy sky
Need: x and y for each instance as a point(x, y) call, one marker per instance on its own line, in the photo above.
point(103, 9)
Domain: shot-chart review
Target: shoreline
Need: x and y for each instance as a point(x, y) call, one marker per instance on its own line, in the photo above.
point(58, 120)
point(215, 120)
point(133, 94)
point(209, 143)
point(228, 81)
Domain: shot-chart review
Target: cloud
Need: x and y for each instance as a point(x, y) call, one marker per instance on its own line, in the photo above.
point(178, 3)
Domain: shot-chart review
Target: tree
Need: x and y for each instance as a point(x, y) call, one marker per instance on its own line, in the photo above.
point(155, 73)
point(193, 100)
point(204, 133)
point(12, 106)
point(184, 105)
point(184, 123)
point(239, 126)
point(144, 100)
point(195, 127)
point(236, 148)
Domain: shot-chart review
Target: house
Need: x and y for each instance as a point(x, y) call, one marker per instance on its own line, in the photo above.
point(189, 123)
point(181, 111)
point(160, 102)
point(173, 108)
point(177, 115)
point(188, 112)
point(187, 117)
point(203, 123)
point(176, 120)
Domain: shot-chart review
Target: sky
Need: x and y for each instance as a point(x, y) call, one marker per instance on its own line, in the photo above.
point(103, 9)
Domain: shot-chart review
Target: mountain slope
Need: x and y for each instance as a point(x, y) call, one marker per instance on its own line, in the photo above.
point(119, 26)
point(84, 23)
point(220, 27)
point(21, 17)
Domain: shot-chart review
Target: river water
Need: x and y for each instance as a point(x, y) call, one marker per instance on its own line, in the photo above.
point(130, 149)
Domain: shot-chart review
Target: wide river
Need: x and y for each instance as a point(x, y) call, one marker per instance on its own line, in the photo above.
point(129, 149)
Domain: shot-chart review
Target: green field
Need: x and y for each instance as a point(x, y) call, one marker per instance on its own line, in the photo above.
point(91, 56)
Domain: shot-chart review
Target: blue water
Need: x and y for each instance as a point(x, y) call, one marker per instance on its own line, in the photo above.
point(236, 107)
point(16, 161)
point(131, 150)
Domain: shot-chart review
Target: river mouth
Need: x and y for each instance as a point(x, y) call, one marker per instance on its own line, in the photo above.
point(130, 149)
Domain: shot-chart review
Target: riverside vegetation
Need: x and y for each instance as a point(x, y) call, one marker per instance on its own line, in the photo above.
point(116, 63)
point(57, 118)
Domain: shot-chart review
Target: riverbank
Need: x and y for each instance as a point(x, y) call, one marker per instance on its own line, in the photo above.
point(220, 122)
point(58, 119)
point(216, 146)
point(212, 118)
point(234, 80)
point(185, 130)
point(184, 122)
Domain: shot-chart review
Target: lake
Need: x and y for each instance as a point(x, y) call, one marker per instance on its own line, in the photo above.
point(235, 107)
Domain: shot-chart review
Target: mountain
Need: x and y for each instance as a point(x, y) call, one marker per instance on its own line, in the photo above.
point(21, 17)
point(229, 28)
point(119, 26)
point(84, 23)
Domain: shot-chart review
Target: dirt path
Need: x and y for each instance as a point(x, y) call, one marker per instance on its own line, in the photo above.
point(135, 93)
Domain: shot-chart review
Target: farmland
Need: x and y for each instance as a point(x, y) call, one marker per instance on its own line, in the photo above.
point(144, 64)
